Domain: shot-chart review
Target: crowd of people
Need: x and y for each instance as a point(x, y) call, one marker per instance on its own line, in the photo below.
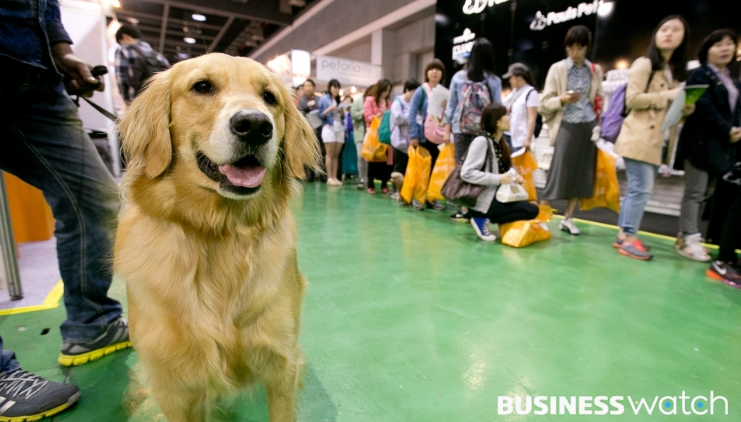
point(486, 128)
point(45, 135)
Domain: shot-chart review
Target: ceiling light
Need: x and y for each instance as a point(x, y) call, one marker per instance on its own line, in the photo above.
point(353, 90)
point(189, 40)
point(605, 9)
point(198, 17)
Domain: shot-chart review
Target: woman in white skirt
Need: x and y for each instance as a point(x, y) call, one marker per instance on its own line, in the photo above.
point(333, 133)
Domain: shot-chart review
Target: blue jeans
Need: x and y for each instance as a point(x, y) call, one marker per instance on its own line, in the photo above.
point(641, 177)
point(43, 143)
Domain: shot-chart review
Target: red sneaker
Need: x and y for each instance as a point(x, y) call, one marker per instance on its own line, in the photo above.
point(385, 190)
point(371, 191)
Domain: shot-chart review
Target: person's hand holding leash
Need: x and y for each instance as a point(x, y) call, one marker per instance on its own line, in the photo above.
point(76, 68)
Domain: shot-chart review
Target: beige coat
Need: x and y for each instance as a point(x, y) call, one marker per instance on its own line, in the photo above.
point(555, 85)
point(641, 137)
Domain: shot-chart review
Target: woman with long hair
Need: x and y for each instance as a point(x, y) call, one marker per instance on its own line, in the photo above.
point(333, 131)
point(479, 69)
point(376, 103)
point(567, 106)
point(708, 142)
point(653, 82)
point(487, 163)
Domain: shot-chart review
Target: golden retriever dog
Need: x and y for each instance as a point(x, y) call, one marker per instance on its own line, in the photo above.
point(206, 241)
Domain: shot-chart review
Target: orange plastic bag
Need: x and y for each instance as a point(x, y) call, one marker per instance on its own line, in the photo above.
point(519, 234)
point(444, 165)
point(526, 164)
point(417, 176)
point(373, 150)
point(606, 188)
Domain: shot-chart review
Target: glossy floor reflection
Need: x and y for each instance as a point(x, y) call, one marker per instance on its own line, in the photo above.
point(410, 317)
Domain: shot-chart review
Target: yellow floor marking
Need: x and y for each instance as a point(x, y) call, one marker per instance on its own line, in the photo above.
point(52, 301)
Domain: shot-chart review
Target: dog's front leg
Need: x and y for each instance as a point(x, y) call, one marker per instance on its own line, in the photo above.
point(181, 404)
point(282, 402)
point(281, 385)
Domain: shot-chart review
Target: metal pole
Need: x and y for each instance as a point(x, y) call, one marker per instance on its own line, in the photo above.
point(7, 244)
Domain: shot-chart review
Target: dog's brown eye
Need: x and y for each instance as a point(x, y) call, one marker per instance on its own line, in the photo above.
point(269, 98)
point(204, 87)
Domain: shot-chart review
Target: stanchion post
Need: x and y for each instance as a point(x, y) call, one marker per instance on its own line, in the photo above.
point(7, 245)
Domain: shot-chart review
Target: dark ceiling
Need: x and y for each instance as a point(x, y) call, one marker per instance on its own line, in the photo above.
point(231, 26)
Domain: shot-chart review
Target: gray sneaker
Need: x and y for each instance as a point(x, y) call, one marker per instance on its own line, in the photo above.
point(635, 250)
point(28, 397)
point(437, 205)
point(114, 338)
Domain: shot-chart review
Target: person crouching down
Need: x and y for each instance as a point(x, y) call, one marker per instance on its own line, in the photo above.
point(487, 160)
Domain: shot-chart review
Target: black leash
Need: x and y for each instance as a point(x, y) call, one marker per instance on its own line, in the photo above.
point(102, 111)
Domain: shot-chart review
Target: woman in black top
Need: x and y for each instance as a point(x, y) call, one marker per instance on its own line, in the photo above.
point(707, 145)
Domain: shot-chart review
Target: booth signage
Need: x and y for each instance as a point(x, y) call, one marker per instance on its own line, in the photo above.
point(472, 7)
point(541, 21)
point(349, 72)
point(463, 44)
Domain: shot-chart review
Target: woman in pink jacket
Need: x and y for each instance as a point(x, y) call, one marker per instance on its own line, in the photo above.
point(376, 103)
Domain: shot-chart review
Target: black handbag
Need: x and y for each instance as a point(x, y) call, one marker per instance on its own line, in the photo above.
point(457, 190)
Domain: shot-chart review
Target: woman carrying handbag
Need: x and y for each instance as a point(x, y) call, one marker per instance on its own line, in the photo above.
point(486, 164)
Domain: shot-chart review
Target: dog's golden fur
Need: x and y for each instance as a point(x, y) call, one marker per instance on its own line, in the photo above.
point(212, 280)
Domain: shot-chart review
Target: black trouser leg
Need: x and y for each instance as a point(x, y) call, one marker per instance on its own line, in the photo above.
point(730, 239)
point(500, 213)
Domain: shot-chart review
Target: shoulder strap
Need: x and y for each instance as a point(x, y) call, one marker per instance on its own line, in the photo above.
point(650, 78)
point(532, 89)
point(625, 101)
point(488, 149)
point(138, 50)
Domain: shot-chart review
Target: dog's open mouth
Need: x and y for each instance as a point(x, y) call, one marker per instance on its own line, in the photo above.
point(242, 177)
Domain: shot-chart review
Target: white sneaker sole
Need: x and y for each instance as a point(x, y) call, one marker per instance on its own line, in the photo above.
point(568, 230)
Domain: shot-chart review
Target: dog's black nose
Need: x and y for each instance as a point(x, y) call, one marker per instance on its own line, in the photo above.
point(252, 127)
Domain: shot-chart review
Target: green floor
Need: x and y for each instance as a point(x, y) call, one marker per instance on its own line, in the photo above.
point(410, 317)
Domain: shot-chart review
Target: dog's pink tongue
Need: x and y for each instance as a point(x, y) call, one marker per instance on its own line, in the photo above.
point(248, 177)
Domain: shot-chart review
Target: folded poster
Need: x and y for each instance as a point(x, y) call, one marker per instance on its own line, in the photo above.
point(438, 96)
point(688, 95)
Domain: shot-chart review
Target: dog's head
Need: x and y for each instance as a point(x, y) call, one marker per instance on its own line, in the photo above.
point(221, 124)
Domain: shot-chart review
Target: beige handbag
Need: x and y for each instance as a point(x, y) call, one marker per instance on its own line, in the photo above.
point(546, 156)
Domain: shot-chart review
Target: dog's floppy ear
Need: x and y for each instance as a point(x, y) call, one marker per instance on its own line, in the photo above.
point(299, 144)
point(145, 128)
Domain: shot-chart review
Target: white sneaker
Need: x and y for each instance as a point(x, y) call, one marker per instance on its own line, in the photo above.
point(418, 205)
point(568, 226)
point(690, 246)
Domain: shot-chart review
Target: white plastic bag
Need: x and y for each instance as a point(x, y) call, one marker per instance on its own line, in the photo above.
point(511, 192)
